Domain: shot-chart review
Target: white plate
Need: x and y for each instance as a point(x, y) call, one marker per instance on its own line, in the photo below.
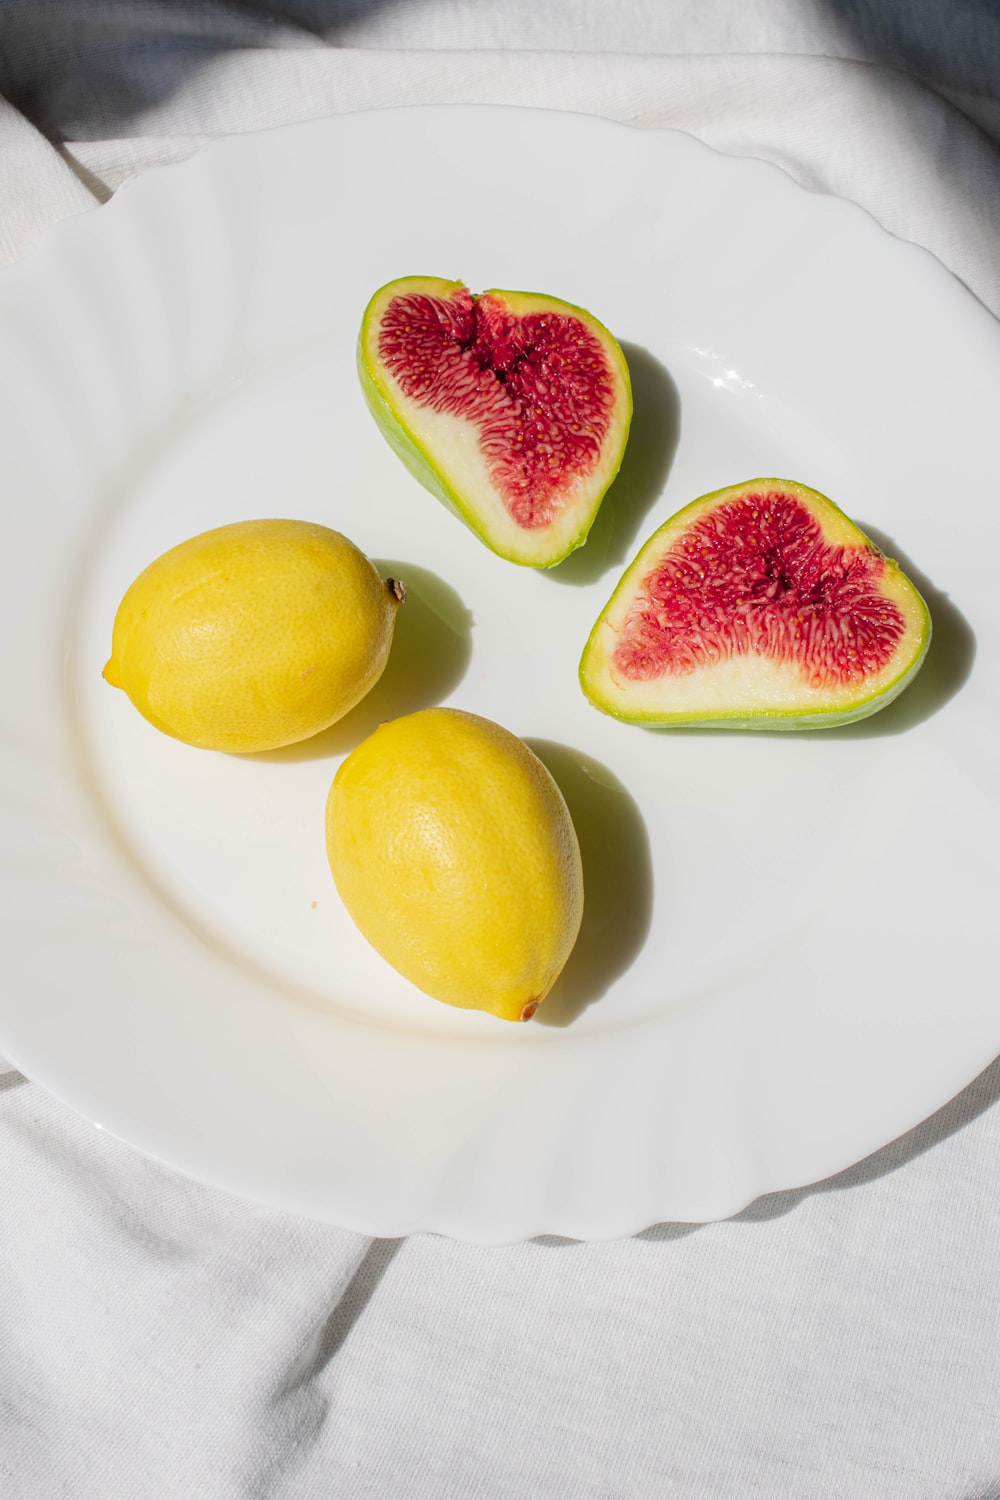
point(784, 962)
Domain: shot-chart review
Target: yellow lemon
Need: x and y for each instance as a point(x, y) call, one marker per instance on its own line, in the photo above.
point(254, 635)
point(452, 848)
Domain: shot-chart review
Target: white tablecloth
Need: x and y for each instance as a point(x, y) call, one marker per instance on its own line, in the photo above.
point(162, 1340)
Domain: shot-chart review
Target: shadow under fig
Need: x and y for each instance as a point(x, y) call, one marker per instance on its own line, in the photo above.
point(617, 880)
point(652, 443)
point(431, 648)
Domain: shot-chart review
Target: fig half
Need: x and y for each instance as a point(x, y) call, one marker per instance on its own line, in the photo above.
point(760, 606)
point(511, 407)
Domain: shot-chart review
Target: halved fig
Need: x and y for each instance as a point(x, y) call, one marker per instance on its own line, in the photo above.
point(756, 607)
point(512, 407)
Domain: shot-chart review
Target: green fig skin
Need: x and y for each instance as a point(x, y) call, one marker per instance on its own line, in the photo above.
point(406, 448)
point(542, 548)
point(608, 692)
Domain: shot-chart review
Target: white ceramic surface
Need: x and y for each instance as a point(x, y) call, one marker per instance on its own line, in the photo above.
point(786, 956)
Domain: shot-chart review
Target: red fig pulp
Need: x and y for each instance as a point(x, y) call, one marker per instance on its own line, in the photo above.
point(759, 606)
point(512, 407)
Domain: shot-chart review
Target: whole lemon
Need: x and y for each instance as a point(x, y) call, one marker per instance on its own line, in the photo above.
point(452, 848)
point(254, 635)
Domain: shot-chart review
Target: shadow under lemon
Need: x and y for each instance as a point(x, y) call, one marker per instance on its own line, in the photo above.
point(431, 648)
point(617, 880)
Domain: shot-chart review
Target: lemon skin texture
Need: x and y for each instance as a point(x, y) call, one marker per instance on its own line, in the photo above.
point(454, 852)
point(254, 635)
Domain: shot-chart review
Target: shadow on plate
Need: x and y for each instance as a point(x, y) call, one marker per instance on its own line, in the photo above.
point(430, 653)
point(617, 880)
point(981, 1095)
point(947, 667)
point(652, 443)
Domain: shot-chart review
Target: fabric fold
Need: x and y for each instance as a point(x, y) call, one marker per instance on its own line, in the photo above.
point(37, 188)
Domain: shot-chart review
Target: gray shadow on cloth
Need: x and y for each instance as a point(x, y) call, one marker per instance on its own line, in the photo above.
point(299, 1382)
point(952, 47)
point(359, 1292)
point(82, 73)
point(952, 52)
point(649, 453)
point(300, 1385)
